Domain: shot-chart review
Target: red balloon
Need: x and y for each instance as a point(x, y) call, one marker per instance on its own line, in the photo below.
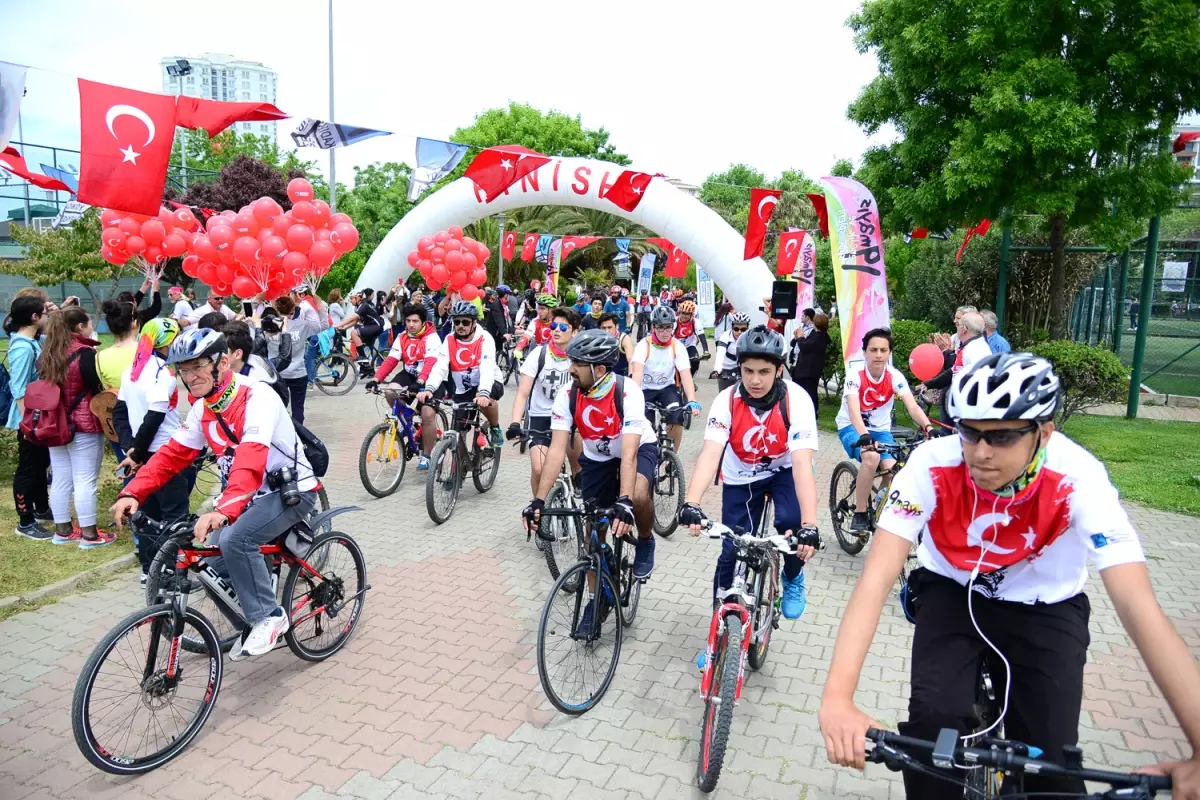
point(113, 258)
point(281, 223)
point(113, 238)
point(305, 212)
point(338, 219)
point(454, 260)
point(184, 218)
point(322, 254)
point(222, 236)
point(110, 217)
point(440, 237)
point(414, 258)
point(321, 234)
point(225, 273)
point(424, 266)
point(245, 250)
point(222, 288)
point(264, 234)
point(344, 237)
point(187, 236)
point(479, 276)
point(425, 245)
point(208, 273)
point(153, 254)
point(130, 226)
point(320, 271)
point(203, 247)
point(135, 244)
point(153, 231)
point(482, 253)
point(299, 189)
point(470, 262)
point(274, 248)
point(925, 361)
point(191, 265)
point(438, 255)
point(458, 280)
point(470, 292)
point(173, 245)
point(225, 256)
point(299, 238)
point(244, 224)
point(440, 273)
point(244, 287)
point(265, 209)
point(229, 214)
point(455, 231)
point(321, 213)
point(295, 262)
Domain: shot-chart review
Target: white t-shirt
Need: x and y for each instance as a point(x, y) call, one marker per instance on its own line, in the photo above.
point(555, 375)
point(470, 364)
point(726, 360)
point(204, 308)
point(600, 430)
point(183, 309)
point(154, 390)
point(307, 324)
point(972, 352)
point(1035, 547)
point(875, 397)
point(661, 365)
point(758, 443)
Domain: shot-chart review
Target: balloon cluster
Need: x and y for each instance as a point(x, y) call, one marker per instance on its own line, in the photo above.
point(449, 257)
point(146, 241)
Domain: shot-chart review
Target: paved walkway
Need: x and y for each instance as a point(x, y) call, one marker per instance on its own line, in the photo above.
point(1171, 413)
point(437, 695)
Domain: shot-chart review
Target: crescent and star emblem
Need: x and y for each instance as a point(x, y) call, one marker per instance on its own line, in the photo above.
point(749, 448)
point(215, 435)
point(455, 360)
point(121, 110)
point(587, 421)
point(987, 522)
point(790, 246)
point(410, 351)
point(510, 239)
point(765, 201)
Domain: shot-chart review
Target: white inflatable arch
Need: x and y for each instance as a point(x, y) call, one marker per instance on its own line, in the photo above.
point(666, 210)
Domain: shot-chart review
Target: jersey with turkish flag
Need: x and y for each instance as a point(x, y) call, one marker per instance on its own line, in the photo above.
point(1032, 547)
point(600, 427)
point(685, 332)
point(412, 351)
point(540, 331)
point(125, 144)
point(876, 396)
point(759, 444)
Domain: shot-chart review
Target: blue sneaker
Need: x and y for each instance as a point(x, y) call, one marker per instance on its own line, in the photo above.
point(701, 661)
point(423, 464)
point(643, 558)
point(793, 596)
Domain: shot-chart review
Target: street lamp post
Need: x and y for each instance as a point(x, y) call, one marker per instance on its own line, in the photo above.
point(332, 150)
point(500, 273)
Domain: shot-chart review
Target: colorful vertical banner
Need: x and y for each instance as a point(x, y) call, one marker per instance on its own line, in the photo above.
point(645, 273)
point(542, 255)
point(553, 265)
point(859, 275)
point(806, 271)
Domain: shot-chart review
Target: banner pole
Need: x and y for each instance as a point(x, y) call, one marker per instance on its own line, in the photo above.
point(332, 120)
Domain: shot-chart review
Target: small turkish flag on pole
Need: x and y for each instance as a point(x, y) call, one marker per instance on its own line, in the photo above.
point(509, 245)
point(762, 204)
point(789, 252)
point(215, 116)
point(570, 243)
point(125, 144)
point(497, 168)
point(628, 189)
point(12, 161)
point(677, 261)
point(818, 203)
point(529, 246)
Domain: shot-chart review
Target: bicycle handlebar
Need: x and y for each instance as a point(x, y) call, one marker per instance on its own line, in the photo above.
point(784, 544)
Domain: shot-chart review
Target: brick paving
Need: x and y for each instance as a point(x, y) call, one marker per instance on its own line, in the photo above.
point(437, 695)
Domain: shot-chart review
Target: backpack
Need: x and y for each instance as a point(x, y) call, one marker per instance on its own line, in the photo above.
point(6, 396)
point(782, 404)
point(47, 422)
point(102, 409)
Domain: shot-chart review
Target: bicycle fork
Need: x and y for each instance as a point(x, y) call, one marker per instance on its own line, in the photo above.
point(724, 616)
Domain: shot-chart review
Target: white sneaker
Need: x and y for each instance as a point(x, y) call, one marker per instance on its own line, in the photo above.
point(237, 652)
point(265, 634)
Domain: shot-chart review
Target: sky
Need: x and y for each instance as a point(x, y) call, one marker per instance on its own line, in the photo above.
point(683, 89)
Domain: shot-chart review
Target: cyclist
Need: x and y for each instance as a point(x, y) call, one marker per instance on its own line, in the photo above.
point(364, 323)
point(413, 353)
point(691, 335)
point(543, 375)
point(1006, 517)
point(620, 451)
point(757, 429)
point(608, 324)
point(618, 305)
point(660, 368)
point(248, 421)
point(866, 415)
point(725, 367)
point(466, 361)
point(538, 329)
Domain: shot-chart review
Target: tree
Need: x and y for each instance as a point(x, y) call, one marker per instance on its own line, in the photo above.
point(69, 253)
point(206, 157)
point(1006, 108)
point(842, 168)
point(377, 202)
point(239, 183)
point(552, 133)
point(728, 193)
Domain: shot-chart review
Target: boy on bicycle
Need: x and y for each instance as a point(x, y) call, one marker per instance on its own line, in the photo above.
point(466, 362)
point(414, 353)
point(758, 429)
point(660, 367)
point(866, 415)
point(691, 335)
point(538, 329)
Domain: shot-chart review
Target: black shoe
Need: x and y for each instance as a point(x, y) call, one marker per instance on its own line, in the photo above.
point(860, 523)
point(35, 532)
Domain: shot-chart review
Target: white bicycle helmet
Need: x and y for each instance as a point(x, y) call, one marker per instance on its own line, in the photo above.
point(739, 318)
point(1005, 386)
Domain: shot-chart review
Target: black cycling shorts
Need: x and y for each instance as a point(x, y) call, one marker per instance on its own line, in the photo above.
point(600, 481)
point(665, 397)
point(539, 431)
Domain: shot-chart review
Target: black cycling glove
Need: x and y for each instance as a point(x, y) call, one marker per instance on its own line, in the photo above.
point(692, 514)
point(809, 536)
point(371, 386)
point(864, 440)
point(514, 431)
point(532, 513)
point(623, 509)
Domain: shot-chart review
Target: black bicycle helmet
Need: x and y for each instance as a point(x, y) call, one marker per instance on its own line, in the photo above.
point(662, 315)
point(760, 342)
point(196, 343)
point(594, 347)
point(462, 308)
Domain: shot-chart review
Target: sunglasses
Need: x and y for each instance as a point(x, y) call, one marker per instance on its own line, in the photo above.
point(664, 328)
point(559, 326)
point(463, 323)
point(740, 330)
point(1002, 437)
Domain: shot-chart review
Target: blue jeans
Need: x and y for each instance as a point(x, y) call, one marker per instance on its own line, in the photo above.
point(310, 358)
point(742, 505)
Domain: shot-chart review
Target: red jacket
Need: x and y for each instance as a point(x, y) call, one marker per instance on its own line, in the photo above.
point(82, 418)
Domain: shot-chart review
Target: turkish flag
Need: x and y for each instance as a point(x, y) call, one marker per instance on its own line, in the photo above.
point(665, 244)
point(762, 204)
point(677, 262)
point(12, 161)
point(508, 245)
point(628, 190)
point(818, 203)
point(497, 168)
point(979, 230)
point(125, 144)
point(215, 116)
point(529, 246)
point(570, 243)
point(789, 252)
point(1182, 140)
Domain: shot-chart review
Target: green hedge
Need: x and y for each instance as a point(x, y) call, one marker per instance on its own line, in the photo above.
point(1089, 375)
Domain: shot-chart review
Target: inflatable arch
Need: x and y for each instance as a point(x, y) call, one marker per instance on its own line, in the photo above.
point(666, 210)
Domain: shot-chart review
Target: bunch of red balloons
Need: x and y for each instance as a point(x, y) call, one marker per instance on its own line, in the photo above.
point(148, 240)
point(449, 257)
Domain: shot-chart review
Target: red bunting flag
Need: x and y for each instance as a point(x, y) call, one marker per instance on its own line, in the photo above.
point(789, 252)
point(979, 230)
point(628, 189)
point(215, 116)
point(497, 168)
point(818, 203)
point(125, 144)
point(12, 161)
point(658, 241)
point(762, 204)
point(508, 245)
point(570, 243)
point(677, 262)
point(529, 246)
point(1182, 140)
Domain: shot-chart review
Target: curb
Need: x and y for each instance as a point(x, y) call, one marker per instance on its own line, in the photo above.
point(67, 584)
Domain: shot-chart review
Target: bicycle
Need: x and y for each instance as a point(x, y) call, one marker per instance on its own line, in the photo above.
point(1013, 758)
point(336, 374)
point(211, 482)
point(740, 625)
point(602, 580)
point(842, 489)
point(151, 649)
point(563, 541)
point(508, 361)
point(463, 449)
point(669, 488)
point(391, 444)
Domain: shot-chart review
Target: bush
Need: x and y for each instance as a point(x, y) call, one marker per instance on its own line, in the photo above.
point(906, 335)
point(834, 370)
point(570, 298)
point(1089, 375)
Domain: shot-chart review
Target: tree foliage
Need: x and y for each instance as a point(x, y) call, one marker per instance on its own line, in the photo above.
point(68, 253)
point(842, 168)
point(206, 157)
point(1089, 374)
point(1004, 108)
point(551, 133)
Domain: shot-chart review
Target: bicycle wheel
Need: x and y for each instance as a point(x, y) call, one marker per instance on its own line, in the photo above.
point(718, 706)
point(568, 534)
point(577, 667)
point(485, 466)
point(336, 375)
point(669, 490)
point(381, 460)
point(841, 505)
point(128, 717)
point(631, 590)
point(444, 481)
point(765, 618)
point(324, 608)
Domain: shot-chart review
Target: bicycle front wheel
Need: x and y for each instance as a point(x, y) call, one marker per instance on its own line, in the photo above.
point(841, 505)
point(631, 588)
point(381, 460)
point(766, 611)
point(128, 715)
point(444, 481)
point(324, 606)
point(336, 375)
point(718, 706)
point(162, 580)
point(579, 641)
point(669, 491)
point(568, 536)
point(486, 465)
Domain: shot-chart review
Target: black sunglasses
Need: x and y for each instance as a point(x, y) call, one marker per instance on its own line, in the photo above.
point(739, 330)
point(1001, 437)
point(466, 323)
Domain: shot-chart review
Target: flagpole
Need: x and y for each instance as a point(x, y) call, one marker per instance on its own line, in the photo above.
point(500, 275)
point(21, 133)
point(332, 150)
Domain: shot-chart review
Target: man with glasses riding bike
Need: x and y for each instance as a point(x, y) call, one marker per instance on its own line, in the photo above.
point(468, 359)
point(758, 430)
point(413, 353)
point(620, 449)
point(660, 367)
point(1006, 516)
point(271, 486)
point(689, 333)
point(725, 367)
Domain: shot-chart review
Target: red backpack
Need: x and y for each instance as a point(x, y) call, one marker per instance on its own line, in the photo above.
point(47, 422)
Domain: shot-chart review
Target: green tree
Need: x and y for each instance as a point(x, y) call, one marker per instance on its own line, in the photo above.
point(551, 133)
point(69, 253)
point(728, 193)
point(1007, 108)
point(842, 168)
point(206, 157)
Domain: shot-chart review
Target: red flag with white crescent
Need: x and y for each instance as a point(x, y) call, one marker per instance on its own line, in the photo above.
point(570, 243)
point(529, 246)
point(677, 262)
point(508, 245)
point(762, 205)
point(789, 252)
point(818, 203)
point(497, 168)
point(627, 191)
point(12, 161)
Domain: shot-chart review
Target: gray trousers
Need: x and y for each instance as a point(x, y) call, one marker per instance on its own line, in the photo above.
point(263, 520)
